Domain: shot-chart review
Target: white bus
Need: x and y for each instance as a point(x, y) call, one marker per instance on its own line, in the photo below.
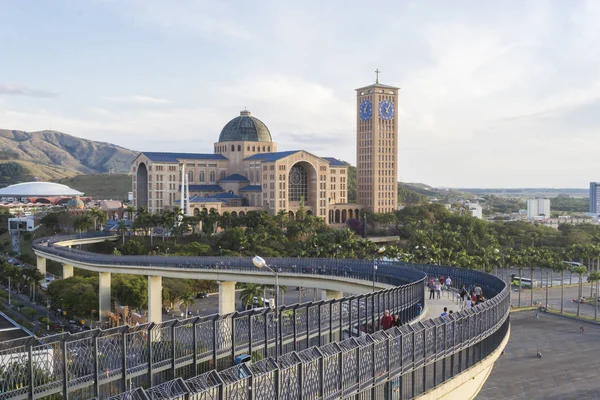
point(526, 283)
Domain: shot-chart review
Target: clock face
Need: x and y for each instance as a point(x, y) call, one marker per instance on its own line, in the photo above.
point(366, 109)
point(386, 110)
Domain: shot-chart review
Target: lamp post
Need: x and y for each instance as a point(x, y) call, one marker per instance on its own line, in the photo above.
point(260, 262)
point(379, 251)
point(48, 314)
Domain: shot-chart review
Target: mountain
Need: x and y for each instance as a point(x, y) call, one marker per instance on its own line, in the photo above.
point(48, 155)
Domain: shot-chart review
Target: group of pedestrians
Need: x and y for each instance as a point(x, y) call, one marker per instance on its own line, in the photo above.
point(436, 285)
point(471, 296)
point(388, 321)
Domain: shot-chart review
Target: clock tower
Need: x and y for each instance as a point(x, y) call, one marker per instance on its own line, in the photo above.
point(377, 147)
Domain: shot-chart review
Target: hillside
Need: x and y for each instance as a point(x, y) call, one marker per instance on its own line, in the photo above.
point(101, 186)
point(48, 155)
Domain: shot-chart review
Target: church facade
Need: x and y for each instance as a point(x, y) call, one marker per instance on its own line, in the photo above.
point(246, 172)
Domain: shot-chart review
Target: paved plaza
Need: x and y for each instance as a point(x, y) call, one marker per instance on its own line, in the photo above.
point(568, 368)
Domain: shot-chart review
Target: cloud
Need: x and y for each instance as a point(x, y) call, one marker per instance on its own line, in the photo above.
point(137, 99)
point(16, 90)
point(208, 19)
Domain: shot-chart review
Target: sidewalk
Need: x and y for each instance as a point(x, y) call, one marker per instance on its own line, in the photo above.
point(434, 308)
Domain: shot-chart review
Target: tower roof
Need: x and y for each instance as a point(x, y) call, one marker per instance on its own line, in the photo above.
point(245, 128)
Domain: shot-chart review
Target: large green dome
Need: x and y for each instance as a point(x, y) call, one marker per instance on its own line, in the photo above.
point(245, 128)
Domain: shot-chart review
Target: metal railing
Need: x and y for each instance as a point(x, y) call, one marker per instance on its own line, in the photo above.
point(330, 349)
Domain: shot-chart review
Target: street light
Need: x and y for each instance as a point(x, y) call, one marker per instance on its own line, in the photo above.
point(501, 266)
point(379, 251)
point(260, 262)
point(48, 314)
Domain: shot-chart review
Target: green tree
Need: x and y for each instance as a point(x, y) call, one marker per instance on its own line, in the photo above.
point(130, 290)
point(78, 295)
point(248, 293)
point(594, 278)
point(580, 270)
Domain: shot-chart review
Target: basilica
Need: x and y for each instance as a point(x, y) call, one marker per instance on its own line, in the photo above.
point(246, 172)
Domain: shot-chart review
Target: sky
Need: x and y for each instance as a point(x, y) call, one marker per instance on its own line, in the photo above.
point(493, 93)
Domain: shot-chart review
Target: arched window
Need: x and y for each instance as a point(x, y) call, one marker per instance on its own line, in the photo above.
point(201, 176)
point(222, 174)
point(263, 149)
point(298, 184)
point(232, 147)
point(239, 147)
point(253, 148)
point(212, 176)
point(269, 149)
point(248, 148)
point(251, 176)
point(190, 176)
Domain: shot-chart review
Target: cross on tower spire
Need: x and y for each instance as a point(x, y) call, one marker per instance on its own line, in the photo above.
point(377, 76)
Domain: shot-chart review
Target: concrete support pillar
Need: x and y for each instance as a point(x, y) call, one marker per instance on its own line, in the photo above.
point(226, 297)
point(68, 271)
point(331, 294)
point(41, 265)
point(103, 294)
point(155, 299)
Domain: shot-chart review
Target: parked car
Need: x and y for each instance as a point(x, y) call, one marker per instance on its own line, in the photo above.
point(202, 295)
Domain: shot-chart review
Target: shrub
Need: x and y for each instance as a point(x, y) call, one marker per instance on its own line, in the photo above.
point(30, 312)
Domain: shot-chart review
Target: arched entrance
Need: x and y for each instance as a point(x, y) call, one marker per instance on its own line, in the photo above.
point(142, 186)
point(302, 187)
point(337, 216)
point(291, 215)
point(350, 214)
point(343, 216)
point(234, 214)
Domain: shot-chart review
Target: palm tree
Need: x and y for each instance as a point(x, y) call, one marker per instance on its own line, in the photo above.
point(32, 277)
point(561, 267)
point(130, 210)
point(594, 277)
point(122, 229)
point(99, 217)
point(249, 292)
point(187, 299)
point(580, 270)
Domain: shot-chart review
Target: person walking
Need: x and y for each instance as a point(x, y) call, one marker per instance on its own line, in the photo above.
point(386, 320)
point(438, 289)
point(448, 283)
point(396, 321)
point(445, 313)
point(463, 293)
point(431, 287)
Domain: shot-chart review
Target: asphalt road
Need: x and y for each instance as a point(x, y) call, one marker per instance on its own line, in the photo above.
point(567, 370)
point(210, 305)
